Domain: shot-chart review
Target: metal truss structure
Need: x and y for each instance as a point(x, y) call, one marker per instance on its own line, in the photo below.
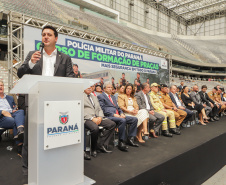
point(16, 21)
point(194, 11)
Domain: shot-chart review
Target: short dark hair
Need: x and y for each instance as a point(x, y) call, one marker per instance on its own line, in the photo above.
point(143, 85)
point(204, 86)
point(52, 28)
point(75, 65)
point(123, 73)
point(133, 90)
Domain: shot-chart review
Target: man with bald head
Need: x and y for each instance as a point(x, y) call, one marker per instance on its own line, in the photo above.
point(196, 98)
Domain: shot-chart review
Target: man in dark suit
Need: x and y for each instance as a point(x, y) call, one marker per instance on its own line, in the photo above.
point(112, 111)
point(94, 117)
point(175, 99)
point(49, 63)
point(155, 119)
point(210, 103)
point(195, 96)
point(181, 86)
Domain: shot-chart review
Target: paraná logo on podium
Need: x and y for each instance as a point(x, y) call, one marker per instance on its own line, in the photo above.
point(63, 117)
point(62, 123)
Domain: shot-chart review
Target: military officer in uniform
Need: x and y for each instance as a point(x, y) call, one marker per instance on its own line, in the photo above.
point(158, 106)
point(164, 97)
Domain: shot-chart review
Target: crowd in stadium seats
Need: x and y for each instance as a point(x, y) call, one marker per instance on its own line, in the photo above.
point(148, 111)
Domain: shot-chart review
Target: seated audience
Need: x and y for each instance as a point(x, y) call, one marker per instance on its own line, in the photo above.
point(195, 96)
point(11, 117)
point(143, 101)
point(94, 117)
point(212, 95)
point(120, 91)
point(112, 111)
point(127, 102)
point(179, 114)
point(219, 100)
point(192, 106)
point(178, 103)
point(158, 107)
point(93, 90)
point(206, 100)
point(98, 89)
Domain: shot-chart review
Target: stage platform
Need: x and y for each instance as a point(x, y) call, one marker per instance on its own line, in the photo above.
point(190, 158)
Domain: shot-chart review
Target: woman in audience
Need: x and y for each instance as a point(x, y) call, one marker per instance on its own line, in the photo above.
point(127, 102)
point(120, 90)
point(98, 89)
point(192, 106)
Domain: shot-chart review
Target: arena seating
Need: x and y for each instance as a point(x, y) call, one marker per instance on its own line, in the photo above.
point(209, 50)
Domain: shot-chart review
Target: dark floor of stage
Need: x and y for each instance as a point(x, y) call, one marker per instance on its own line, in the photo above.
point(117, 167)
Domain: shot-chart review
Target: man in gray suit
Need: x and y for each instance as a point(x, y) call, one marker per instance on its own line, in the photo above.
point(143, 100)
point(196, 98)
point(94, 117)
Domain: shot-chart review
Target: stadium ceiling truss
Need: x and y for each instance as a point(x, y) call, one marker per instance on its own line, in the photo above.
point(16, 21)
point(194, 11)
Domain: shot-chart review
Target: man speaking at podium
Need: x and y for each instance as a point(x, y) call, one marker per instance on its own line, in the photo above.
point(46, 62)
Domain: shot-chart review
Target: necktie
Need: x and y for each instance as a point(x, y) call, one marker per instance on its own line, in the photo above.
point(90, 100)
point(113, 103)
point(94, 94)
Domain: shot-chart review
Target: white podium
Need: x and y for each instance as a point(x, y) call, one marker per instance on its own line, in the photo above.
point(56, 129)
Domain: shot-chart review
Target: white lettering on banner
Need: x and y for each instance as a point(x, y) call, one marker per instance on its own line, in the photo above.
point(135, 69)
point(80, 45)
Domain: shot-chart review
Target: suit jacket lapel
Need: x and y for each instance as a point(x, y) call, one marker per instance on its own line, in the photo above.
point(58, 59)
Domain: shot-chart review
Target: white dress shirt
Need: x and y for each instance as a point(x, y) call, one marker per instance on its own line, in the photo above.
point(48, 63)
point(177, 100)
point(4, 104)
point(146, 101)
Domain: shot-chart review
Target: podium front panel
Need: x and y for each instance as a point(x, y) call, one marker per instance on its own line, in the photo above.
point(62, 165)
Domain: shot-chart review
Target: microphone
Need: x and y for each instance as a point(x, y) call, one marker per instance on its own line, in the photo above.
point(41, 47)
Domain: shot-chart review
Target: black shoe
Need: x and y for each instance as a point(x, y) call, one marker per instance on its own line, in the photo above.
point(178, 127)
point(94, 153)
point(216, 118)
point(20, 134)
point(212, 120)
point(166, 133)
point(86, 156)
point(19, 150)
point(103, 149)
point(122, 146)
point(174, 131)
point(130, 141)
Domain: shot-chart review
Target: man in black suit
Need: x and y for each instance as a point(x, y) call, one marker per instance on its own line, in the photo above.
point(181, 86)
point(112, 111)
point(49, 63)
point(210, 103)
